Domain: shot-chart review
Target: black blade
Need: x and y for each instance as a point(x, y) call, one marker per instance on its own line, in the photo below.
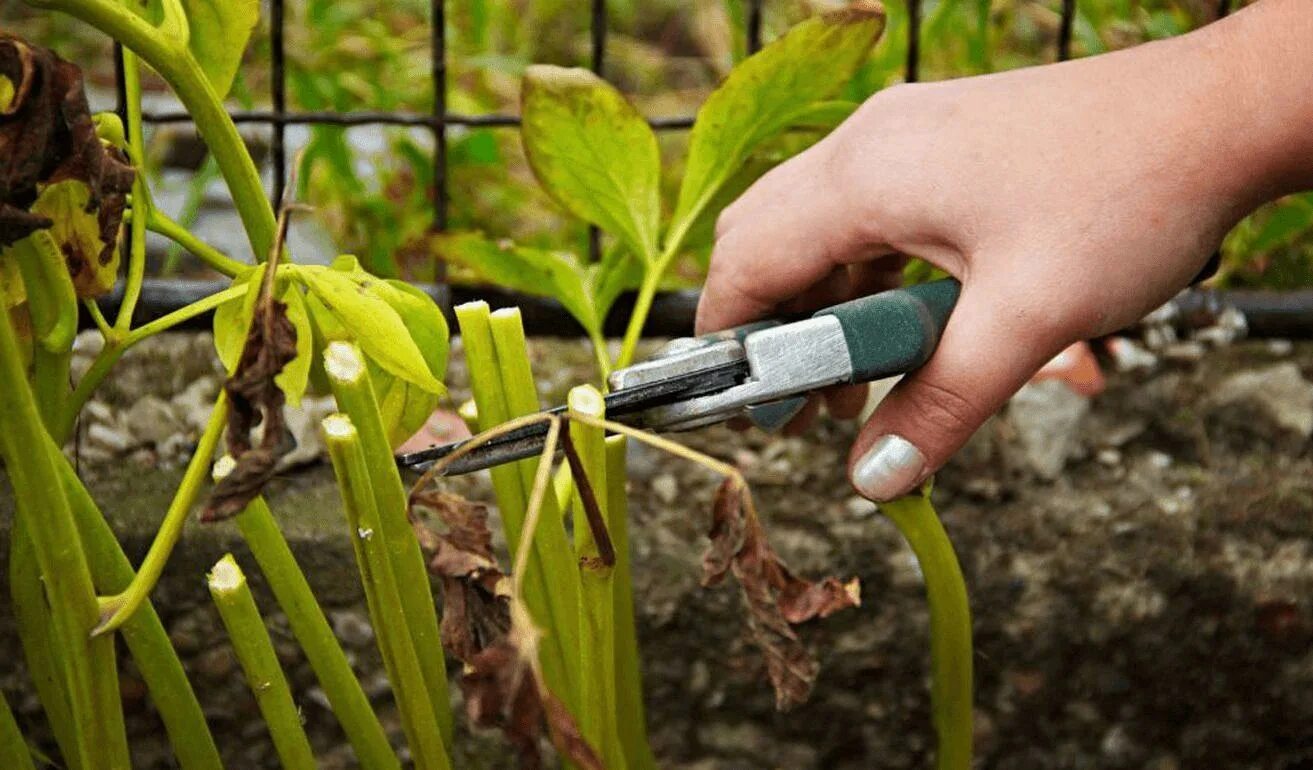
point(623, 406)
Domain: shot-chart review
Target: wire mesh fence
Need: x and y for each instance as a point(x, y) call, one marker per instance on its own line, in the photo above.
point(671, 314)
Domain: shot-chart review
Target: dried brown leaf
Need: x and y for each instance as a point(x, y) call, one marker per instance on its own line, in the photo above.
point(726, 533)
point(476, 612)
point(502, 691)
point(776, 598)
point(255, 399)
point(47, 136)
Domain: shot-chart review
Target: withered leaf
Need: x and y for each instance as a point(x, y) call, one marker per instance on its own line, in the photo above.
point(776, 598)
point(501, 691)
point(500, 686)
point(475, 612)
point(47, 136)
point(254, 398)
point(726, 534)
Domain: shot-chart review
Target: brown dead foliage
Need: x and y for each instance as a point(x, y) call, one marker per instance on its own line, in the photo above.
point(777, 599)
point(255, 399)
point(476, 609)
point(501, 687)
point(47, 136)
point(501, 690)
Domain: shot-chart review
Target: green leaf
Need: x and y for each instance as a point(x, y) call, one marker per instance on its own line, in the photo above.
point(766, 94)
point(404, 405)
point(220, 30)
point(376, 327)
point(823, 115)
point(232, 318)
point(618, 271)
point(594, 153)
point(539, 272)
point(1292, 216)
point(295, 376)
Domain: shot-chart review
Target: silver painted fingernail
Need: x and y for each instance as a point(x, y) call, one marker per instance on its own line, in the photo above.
point(891, 467)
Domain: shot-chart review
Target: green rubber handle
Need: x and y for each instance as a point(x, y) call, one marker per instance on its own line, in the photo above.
point(894, 332)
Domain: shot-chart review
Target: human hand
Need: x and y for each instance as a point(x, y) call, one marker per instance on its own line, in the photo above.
point(1069, 200)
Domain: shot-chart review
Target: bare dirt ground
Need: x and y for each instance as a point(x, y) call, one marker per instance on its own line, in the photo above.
point(1149, 606)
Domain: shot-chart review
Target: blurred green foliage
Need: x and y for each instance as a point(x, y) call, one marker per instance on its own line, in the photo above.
point(375, 197)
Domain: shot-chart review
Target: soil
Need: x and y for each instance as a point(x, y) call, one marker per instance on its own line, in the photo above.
point(1148, 608)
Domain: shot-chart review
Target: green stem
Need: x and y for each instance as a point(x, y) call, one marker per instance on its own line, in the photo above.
point(14, 752)
point(145, 636)
point(89, 667)
point(32, 619)
point(115, 348)
point(348, 452)
point(631, 719)
point(950, 626)
point(555, 558)
point(511, 484)
point(312, 631)
point(54, 307)
point(161, 224)
point(600, 353)
point(255, 651)
point(177, 66)
point(597, 657)
point(141, 203)
point(355, 396)
point(117, 609)
point(642, 306)
point(102, 324)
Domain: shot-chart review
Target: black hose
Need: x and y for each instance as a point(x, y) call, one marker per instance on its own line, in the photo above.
point(1279, 314)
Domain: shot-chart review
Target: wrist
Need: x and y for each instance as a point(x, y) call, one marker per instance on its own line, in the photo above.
point(1260, 64)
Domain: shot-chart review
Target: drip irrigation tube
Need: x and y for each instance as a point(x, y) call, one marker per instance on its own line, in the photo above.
point(1269, 314)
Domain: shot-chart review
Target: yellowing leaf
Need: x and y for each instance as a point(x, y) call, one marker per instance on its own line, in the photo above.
point(220, 30)
point(12, 292)
point(233, 317)
point(295, 376)
point(92, 263)
point(7, 92)
point(376, 327)
point(769, 92)
point(594, 153)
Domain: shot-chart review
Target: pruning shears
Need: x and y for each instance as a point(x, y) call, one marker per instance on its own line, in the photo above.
point(763, 371)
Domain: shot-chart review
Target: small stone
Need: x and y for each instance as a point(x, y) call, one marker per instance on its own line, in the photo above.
point(666, 488)
point(1159, 460)
point(1185, 352)
point(303, 422)
point(1047, 416)
point(151, 420)
point(1109, 457)
point(699, 677)
point(1127, 356)
point(97, 411)
point(1118, 745)
point(195, 403)
point(641, 461)
point(174, 450)
point(352, 628)
point(1280, 348)
point(1280, 391)
point(108, 438)
point(217, 663)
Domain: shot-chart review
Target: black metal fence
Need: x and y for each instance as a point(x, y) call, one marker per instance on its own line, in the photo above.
point(671, 314)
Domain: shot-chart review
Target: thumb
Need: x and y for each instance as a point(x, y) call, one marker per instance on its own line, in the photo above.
point(988, 351)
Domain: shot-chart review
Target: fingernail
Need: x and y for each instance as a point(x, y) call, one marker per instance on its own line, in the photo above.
point(891, 467)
